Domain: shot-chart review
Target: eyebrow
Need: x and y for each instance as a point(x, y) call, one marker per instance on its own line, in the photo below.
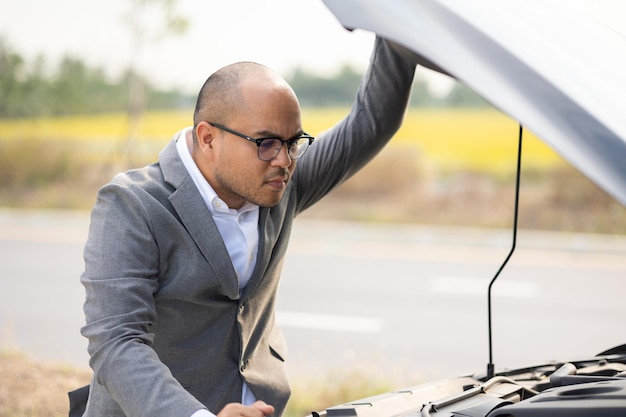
point(267, 134)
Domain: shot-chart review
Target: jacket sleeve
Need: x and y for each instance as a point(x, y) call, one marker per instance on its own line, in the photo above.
point(120, 282)
point(375, 116)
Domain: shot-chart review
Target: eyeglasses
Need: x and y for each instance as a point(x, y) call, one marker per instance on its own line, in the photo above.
point(269, 148)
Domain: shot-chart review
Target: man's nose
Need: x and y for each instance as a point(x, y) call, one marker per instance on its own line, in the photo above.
point(282, 159)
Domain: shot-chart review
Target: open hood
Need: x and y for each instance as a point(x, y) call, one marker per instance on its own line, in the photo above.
point(553, 66)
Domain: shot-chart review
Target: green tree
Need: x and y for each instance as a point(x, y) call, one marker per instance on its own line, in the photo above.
point(70, 86)
point(12, 70)
point(34, 90)
point(325, 91)
point(463, 96)
point(420, 95)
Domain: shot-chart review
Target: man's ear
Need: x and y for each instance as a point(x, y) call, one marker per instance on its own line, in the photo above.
point(205, 135)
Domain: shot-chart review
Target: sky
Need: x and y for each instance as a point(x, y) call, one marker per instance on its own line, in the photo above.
point(282, 34)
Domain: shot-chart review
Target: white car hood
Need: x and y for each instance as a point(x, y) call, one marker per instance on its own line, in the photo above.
point(549, 64)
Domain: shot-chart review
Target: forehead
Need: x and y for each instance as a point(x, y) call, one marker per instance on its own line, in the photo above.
point(270, 105)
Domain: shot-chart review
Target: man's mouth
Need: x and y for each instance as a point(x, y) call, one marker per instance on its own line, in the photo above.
point(278, 180)
point(278, 183)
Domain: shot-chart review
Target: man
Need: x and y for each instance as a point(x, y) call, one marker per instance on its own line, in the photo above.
point(183, 257)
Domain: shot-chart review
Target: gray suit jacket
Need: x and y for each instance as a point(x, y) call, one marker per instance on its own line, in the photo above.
point(168, 333)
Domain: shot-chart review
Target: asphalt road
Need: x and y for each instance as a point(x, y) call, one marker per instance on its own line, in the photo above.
point(408, 302)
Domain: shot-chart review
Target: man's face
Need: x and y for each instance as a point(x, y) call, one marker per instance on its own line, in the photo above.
point(235, 171)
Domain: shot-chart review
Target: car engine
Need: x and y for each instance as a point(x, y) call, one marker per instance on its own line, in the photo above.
point(593, 387)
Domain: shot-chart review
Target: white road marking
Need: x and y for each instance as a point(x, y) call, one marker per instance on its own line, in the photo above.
point(475, 286)
point(334, 322)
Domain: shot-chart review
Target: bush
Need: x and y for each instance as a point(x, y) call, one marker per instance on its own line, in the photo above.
point(33, 162)
point(335, 387)
point(38, 173)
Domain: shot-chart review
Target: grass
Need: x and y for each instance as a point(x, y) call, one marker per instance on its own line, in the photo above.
point(36, 389)
point(445, 139)
point(337, 386)
point(453, 167)
point(95, 128)
point(30, 388)
point(482, 140)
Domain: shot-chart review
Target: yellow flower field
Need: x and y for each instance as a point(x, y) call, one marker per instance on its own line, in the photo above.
point(450, 139)
point(444, 139)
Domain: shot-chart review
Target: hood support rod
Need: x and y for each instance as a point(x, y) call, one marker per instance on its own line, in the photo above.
point(490, 365)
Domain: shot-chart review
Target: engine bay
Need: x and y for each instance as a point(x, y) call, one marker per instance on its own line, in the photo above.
point(594, 386)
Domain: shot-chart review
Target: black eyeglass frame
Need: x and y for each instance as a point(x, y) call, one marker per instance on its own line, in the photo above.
point(259, 141)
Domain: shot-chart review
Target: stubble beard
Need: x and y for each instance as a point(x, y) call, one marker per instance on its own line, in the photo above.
point(255, 195)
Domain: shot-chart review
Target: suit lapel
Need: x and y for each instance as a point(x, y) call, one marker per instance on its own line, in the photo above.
point(197, 219)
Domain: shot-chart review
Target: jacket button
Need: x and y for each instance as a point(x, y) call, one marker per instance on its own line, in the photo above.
point(242, 366)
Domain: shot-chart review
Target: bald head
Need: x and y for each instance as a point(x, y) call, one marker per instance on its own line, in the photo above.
point(236, 104)
point(223, 95)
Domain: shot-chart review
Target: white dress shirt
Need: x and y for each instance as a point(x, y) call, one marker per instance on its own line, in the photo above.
point(238, 229)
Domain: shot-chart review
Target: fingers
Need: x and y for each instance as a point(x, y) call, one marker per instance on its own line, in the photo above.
point(258, 409)
point(266, 409)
